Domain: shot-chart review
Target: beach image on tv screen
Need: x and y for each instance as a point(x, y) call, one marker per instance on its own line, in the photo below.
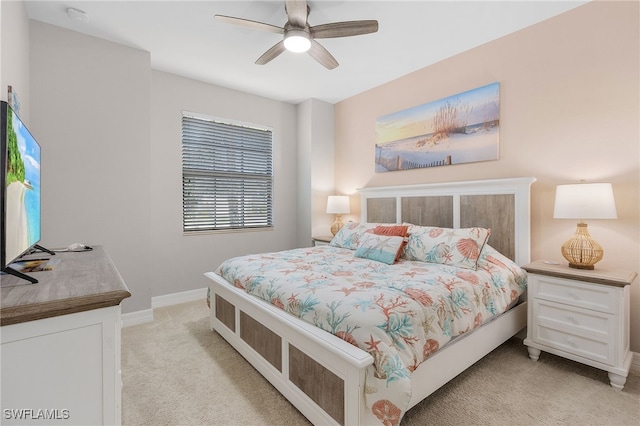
point(23, 189)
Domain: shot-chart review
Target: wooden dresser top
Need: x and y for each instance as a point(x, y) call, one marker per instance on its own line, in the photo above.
point(598, 275)
point(80, 281)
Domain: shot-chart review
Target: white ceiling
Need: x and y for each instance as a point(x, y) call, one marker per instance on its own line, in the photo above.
point(184, 39)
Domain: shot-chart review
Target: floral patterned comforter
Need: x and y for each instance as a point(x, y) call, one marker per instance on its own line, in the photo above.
point(400, 313)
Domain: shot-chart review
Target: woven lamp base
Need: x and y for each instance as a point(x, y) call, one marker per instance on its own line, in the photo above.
point(581, 250)
point(337, 225)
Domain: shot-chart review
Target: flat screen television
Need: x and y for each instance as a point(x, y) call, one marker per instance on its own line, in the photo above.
point(20, 191)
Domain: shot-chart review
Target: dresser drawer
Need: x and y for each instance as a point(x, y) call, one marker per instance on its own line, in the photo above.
point(593, 324)
point(592, 296)
point(594, 349)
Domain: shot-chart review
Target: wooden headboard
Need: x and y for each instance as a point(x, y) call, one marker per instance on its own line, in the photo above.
point(503, 205)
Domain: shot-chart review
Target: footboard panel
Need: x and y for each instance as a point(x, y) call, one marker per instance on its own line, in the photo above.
point(318, 383)
point(225, 312)
point(264, 341)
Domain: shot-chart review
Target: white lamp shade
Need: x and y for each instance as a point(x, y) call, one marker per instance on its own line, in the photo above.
point(338, 204)
point(585, 201)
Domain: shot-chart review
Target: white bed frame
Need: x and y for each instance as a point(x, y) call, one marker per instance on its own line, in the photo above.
point(342, 363)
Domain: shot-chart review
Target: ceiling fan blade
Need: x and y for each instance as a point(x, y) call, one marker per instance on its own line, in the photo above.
point(272, 53)
point(344, 29)
point(249, 23)
point(322, 55)
point(297, 12)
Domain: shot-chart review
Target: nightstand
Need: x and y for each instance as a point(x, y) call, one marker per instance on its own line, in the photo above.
point(581, 315)
point(321, 241)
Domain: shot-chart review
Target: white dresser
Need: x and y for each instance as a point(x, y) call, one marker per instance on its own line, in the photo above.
point(582, 315)
point(60, 343)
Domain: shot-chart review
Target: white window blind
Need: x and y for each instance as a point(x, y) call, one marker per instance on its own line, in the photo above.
point(227, 175)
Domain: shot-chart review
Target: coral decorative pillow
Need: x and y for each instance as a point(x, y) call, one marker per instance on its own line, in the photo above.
point(380, 248)
point(454, 247)
point(396, 230)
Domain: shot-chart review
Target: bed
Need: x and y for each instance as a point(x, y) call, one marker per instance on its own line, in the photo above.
point(330, 379)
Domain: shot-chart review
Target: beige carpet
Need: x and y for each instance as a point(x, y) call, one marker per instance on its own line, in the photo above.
point(178, 372)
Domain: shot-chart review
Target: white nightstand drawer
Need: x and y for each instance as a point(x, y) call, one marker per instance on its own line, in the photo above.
point(592, 296)
point(596, 350)
point(593, 324)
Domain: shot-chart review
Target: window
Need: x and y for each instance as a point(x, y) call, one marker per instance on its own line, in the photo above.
point(227, 175)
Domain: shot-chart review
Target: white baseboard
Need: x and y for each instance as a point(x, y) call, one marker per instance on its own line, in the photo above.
point(145, 316)
point(137, 318)
point(175, 298)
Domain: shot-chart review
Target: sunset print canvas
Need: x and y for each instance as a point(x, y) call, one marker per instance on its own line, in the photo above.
point(459, 129)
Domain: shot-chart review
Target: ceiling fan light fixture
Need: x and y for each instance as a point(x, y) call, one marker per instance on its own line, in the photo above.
point(297, 41)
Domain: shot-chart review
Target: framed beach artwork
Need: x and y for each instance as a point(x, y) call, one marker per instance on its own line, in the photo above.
point(462, 128)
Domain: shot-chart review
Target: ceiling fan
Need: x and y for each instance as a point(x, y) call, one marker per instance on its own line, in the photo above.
point(299, 36)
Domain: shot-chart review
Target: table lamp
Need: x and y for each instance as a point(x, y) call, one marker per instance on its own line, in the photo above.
point(338, 205)
point(584, 201)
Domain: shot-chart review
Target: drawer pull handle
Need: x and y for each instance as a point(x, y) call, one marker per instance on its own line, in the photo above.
point(571, 318)
point(572, 294)
point(571, 341)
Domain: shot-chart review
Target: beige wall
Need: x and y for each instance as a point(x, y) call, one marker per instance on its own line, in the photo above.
point(569, 110)
point(110, 130)
point(90, 113)
point(315, 168)
point(14, 54)
point(180, 261)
